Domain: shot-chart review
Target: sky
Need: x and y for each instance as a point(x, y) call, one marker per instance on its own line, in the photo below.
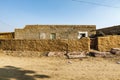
point(18, 13)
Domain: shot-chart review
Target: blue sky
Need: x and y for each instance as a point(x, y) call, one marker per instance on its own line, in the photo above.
point(18, 13)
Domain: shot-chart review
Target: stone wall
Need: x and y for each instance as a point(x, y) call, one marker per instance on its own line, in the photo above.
point(46, 45)
point(108, 42)
point(114, 30)
point(36, 32)
point(7, 35)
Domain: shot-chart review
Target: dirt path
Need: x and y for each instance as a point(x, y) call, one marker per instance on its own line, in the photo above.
point(24, 68)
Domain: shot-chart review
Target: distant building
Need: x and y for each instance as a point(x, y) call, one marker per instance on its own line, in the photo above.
point(114, 30)
point(37, 32)
point(7, 35)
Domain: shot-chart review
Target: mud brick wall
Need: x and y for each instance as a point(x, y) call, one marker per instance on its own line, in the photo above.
point(46, 45)
point(7, 35)
point(108, 42)
point(34, 32)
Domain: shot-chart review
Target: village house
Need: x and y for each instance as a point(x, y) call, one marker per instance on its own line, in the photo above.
point(49, 38)
point(36, 32)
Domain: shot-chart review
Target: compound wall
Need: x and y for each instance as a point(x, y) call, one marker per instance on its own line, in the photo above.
point(108, 42)
point(46, 45)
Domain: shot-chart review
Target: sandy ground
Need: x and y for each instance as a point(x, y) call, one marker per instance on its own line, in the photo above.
point(52, 68)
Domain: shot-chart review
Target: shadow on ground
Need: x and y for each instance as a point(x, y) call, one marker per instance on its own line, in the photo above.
point(11, 72)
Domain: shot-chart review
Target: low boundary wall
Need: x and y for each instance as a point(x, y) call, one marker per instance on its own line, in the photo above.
point(46, 45)
point(108, 42)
